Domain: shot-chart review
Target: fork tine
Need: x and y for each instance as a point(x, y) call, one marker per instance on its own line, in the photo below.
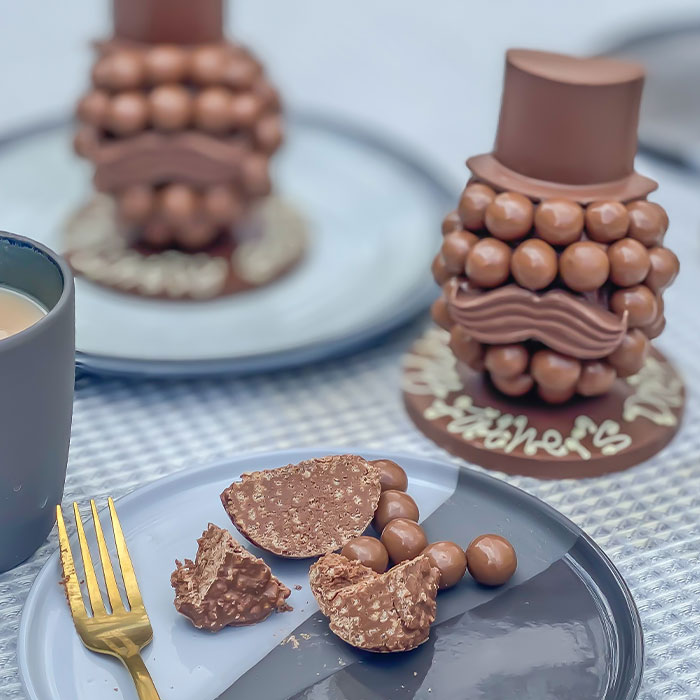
point(96, 603)
point(130, 583)
point(115, 598)
point(70, 578)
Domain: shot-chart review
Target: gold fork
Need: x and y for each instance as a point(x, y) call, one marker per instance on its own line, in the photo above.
point(121, 632)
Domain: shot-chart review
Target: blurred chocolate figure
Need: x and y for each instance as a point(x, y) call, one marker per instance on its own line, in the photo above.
point(553, 265)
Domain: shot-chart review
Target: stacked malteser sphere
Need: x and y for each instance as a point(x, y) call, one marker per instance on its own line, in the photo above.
point(215, 90)
point(609, 253)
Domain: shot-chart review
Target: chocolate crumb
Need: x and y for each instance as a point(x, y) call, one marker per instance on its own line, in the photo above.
point(226, 584)
point(297, 587)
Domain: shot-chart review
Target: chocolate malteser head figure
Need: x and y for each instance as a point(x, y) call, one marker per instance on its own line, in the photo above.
point(553, 265)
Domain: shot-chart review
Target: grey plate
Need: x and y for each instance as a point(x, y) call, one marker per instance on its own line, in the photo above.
point(565, 627)
point(373, 211)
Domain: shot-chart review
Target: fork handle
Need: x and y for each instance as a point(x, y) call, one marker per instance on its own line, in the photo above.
point(141, 677)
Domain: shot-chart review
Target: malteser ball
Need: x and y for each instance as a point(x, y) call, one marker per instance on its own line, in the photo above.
point(455, 248)
point(648, 222)
point(245, 110)
point(629, 357)
point(509, 217)
point(269, 96)
point(629, 262)
point(491, 560)
point(195, 234)
point(100, 73)
point(166, 64)
point(403, 539)
point(171, 107)
point(136, 203)
point(606, 221)
point(555, 371)
point(127, 113)
point(506, 361)
point(451, 223)
point(663, 269)
point(656, 327)
point(208, 64)
point(450, 560)
point(559, 221)
point(488, 263)
point(534, 264)
point(178, 203)
point(441, 314)
point(92, 108)
point(240, 72)
point(392, 505)
point(391, 476)
point(513, 386)
point(255, 170)
point(269, 133)
point(157, 234)
point(596, 378)
point(124, 70)
point(472, 205)
point(584, 266)
point(84, 141)
point(211, 110)
point(221, 204)
point(466, 349)
point(368, 551)
point(555, 395)
point(439, 269)
point(639, 302)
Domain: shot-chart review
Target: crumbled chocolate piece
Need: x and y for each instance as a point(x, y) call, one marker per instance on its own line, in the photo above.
point(306, 509)
point(226, 584)
point(377, 612)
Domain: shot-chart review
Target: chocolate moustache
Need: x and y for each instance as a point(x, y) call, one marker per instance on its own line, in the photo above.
point(558, 319)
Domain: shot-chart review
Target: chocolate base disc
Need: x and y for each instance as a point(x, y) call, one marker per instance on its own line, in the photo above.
point(271, 243)
point(584, 437)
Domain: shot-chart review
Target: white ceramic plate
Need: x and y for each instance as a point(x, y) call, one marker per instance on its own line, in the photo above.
point(374, 216)
point(564, 624)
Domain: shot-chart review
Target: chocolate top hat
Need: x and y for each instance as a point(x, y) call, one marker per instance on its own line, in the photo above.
point(168, 21)
point(568, 128)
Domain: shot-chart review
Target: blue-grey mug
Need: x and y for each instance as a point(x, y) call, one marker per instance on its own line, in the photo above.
point(37, 375)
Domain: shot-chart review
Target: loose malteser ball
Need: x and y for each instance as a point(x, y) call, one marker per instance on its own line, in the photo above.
point(534, 264)
point(472, 205)
point(123, 70)
point(555, 395)
point(584, 266)
point(269, 133)
point(455, 248)
point(449, 558)
point(240, 72)
point(195, 234)
point(439, 269)
point(513, 386)
point(596, 378)
point(648, 222)
point(221, 205)
point(208, 64)
point(136, 203)
point(491, 560)
point(606, 221)
point(368, 551)
point(391, 476)
point(629, 262)
point(559, 221)
point(440, 313)
point(178, 203)
point(555, 371)
point(93, 107)
point(392, 505)
point(506, 361)
point(211, 110)
point(171, 107)
point(466, 349)
point(127, 113)
point(639, 302)
point(256, 175)
point(629, 357)
point(451, 223)
point(663, 268)
point(165, 64)
point(488, 263)
point(244, 110)
point(403, 539)
point(510, 215)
